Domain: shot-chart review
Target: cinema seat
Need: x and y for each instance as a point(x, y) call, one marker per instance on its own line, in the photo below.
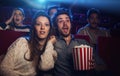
point(109, 51)
point(85, 37)
point(7, 37)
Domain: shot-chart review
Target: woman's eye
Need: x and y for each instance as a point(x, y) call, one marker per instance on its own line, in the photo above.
point(20, 14)
point(37, 24)
point(47, 24)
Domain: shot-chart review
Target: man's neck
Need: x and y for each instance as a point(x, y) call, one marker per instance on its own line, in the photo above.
point(92, 28)
point(67, 39)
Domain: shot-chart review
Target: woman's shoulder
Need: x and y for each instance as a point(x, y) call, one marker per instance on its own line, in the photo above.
point(21, 40)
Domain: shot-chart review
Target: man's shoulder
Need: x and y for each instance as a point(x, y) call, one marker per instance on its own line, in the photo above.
point(83, 28)
point(103, 29)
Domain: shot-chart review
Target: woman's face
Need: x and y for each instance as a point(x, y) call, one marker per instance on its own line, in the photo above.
point(18, 17)
point(42, 27)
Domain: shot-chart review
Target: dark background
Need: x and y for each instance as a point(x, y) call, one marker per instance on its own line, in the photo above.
point(110, 10)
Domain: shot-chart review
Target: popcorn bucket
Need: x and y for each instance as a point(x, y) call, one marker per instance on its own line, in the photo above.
point(82, 55)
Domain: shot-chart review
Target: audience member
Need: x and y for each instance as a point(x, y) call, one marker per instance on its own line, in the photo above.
point(28, 56)
point(65, 43)
point(93, 30)
point(15, 22)
point(52, 10)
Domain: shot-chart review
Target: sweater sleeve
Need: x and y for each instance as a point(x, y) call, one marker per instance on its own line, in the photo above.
point(3, 25)
point(7, 65)
point(48, 57)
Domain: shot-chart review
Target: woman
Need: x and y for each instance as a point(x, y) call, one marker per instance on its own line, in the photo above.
point(15, 22)
point(29, 56)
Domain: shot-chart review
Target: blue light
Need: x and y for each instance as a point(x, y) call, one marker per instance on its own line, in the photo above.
point(41, 1)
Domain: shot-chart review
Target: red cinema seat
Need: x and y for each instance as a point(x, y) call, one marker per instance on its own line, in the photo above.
point(109, 51)
point(7, 37)
point(85, 37)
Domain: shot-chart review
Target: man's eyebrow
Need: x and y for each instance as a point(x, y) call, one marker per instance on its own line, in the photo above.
point(60, 18)
point(65, 18)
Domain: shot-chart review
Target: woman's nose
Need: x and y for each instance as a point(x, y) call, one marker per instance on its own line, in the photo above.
point(42, 26)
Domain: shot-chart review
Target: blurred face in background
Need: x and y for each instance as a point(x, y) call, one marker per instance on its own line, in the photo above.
point(64, 25)
point(52, 12)
point(18, 17)
point(42, 27)
point(94, 20)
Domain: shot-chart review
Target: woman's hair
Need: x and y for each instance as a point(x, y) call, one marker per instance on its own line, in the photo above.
point(35, 50)
point(20, 9)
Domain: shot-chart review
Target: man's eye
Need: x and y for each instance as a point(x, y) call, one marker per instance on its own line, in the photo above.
point(60, 21)
point(68, 20)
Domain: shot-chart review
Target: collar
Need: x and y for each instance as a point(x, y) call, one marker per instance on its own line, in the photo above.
point(62, 38)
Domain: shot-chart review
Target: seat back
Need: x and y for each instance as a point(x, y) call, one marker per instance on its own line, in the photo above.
point(109, 51)
point(85, 37)
point(7, 37)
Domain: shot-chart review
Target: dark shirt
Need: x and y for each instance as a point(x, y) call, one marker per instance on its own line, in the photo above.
point(3, 25)
point(64, 63)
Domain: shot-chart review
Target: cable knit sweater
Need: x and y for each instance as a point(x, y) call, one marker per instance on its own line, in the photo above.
point(14, 63)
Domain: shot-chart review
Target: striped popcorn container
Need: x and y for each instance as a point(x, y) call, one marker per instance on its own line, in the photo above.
point(82, 55)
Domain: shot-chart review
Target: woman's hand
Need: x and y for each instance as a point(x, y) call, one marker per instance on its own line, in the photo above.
point(52, 39)
point(10, 19)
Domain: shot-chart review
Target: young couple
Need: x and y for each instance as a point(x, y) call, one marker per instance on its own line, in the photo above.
point(41, 51)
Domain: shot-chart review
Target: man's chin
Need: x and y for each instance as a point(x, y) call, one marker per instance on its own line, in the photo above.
point(65, 35)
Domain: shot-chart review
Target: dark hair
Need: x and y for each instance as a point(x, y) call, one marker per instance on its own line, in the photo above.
point(59, 12)
point(91, 11)
point(52, 7)
point(35, 50)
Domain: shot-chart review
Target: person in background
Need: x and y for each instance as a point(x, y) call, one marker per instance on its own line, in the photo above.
point(93, 30)
point(65, 43)
point(15, 22)
point(33, 55)
point(52, 10)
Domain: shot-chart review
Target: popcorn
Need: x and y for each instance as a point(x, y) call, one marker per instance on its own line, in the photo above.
point(82, 55)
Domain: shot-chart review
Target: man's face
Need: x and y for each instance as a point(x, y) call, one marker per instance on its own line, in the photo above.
point(64, 24)
point(94, 20)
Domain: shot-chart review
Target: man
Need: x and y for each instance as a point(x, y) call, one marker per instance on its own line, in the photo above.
point(93, 30)
point(52, 10)
point(65, 43)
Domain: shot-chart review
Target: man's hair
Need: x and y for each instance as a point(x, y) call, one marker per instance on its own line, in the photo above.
point(92, 11)
point(59, 12)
